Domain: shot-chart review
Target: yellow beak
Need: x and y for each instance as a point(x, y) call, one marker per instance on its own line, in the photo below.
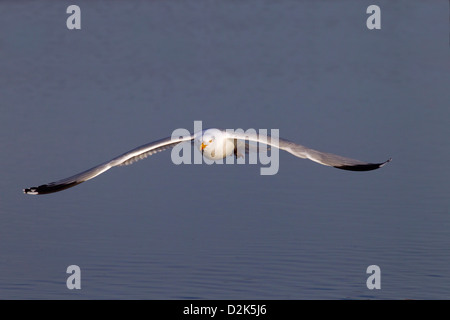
point(203, 146)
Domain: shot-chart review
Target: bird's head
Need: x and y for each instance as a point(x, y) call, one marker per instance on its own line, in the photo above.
point(207, 141)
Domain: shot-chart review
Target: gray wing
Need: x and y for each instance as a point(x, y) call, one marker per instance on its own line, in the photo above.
point(327, 159)
point(124, 159)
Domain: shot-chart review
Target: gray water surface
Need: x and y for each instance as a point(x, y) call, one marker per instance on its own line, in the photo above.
point(136, 71)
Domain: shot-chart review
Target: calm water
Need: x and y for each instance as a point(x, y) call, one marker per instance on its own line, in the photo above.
point(138, 70)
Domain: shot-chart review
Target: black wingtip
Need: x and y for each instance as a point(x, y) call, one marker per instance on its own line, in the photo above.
point(49, 188)
point(30, 191)
point(384, 163)
point(364, 167)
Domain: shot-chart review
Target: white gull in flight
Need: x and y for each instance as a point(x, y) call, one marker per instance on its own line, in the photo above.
point(214, 144)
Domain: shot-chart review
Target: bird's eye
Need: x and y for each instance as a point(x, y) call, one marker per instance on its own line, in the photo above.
point(210, 141)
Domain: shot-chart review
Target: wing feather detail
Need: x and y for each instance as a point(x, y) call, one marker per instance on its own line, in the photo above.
point(324, 158)
point(122, 160)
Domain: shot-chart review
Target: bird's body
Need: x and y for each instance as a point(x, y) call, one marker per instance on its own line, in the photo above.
point(215, 144)
point(222, 147)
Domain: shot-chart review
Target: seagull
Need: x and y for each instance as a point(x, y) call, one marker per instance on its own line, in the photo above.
point(214, 144)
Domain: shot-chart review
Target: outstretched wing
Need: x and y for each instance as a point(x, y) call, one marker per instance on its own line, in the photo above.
point(124, 159)
point(327, 159)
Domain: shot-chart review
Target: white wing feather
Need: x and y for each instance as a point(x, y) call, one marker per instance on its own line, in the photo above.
point(124, 159)
point(324, 158)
